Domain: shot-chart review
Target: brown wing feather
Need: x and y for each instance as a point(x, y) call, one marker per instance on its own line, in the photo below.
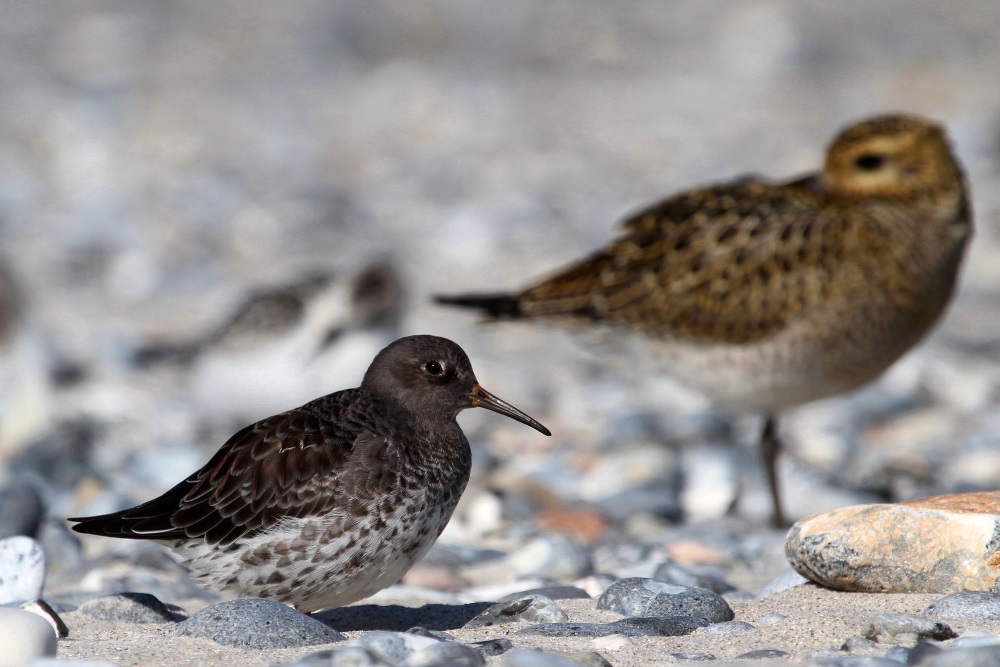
point(268, 471)
point(682, 267)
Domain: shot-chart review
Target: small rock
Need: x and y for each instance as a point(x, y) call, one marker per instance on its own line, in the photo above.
point(870, 548)
point(524, 657)
point(967, 605)
point(923, 651)
point(22, 569)
point(347, 656)
point(396, 647)
point(897, 654)
point(62, 547)
point(451, 654)
point(21, 510)
point(43, 609)
point(652, 626)
point(256, 623)
point(728, 628)
point(586, 658)
point(762, 654)
point(649, 597)
point(24, 636)
point(491, 647)
point(981, 656)
point(530, 608)
point(129, 608)
point(789, 578)
point(852, 661)
point(973, 639)
point(551, 555)
point(906, 629)
point(858, 643)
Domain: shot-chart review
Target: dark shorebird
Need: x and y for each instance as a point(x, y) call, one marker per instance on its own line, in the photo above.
point(326, 504)
point(768, 295)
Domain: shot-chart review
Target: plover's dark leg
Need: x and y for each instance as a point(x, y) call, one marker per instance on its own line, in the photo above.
point(770, 447)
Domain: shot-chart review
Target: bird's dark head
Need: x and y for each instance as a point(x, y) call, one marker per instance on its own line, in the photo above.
point(433, 376)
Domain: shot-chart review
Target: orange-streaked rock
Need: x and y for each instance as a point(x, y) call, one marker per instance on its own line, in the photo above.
point(943, 544)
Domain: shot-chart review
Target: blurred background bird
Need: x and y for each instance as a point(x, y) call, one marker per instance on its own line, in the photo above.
point(765, 295)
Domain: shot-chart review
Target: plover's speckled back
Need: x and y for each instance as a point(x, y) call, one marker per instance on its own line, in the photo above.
point(328, 503)
point(767, 295)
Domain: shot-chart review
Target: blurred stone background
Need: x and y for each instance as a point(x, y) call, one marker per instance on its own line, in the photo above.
point(159, 161)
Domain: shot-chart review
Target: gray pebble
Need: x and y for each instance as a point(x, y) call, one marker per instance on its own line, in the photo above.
point(694, 657)
point(129, 608)
point(451, 654)
point(348, 656)
point(762, 654)
point(524, 657)
point(897, 654)
point(906, 629)
point(967, 605)
point(654, 626)
point(552, 555)
point(858, 643)
point(530, 608)
point(789, 578)
point(491, 647)
point(62, 547)
point(728, 628)
point(852, 661)
point(21, 510)
point(22, 569)
point(923, 650)
point(649, 597)
point(396, 647)
point(982, 656)
point(256, 623)
point(974, 641)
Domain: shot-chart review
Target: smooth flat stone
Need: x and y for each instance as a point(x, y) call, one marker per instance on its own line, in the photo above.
point(256, 623)
point(649, 597)
point(967, 605)
point(871, 548)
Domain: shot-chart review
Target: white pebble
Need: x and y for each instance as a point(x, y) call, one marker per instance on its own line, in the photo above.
point(612, 642)
point(22, 569)
point(23, 637)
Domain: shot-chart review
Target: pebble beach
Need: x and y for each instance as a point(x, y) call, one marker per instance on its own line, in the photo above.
point(165, 164)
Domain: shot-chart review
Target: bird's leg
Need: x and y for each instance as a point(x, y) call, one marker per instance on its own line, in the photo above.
point(770, 447)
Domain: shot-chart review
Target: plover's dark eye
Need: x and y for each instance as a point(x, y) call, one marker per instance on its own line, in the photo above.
point(869, 161)
point(433, 367)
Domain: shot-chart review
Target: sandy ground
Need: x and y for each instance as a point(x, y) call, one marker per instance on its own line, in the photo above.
point(818, 621)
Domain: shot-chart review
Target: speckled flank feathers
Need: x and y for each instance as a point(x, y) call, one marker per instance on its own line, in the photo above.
point(328, 503)
point(766, 295)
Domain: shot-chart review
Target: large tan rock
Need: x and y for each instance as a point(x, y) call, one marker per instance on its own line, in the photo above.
point(943, 544)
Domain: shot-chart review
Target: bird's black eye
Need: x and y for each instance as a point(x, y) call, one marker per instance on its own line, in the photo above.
point(434, 368)
point(869, 161)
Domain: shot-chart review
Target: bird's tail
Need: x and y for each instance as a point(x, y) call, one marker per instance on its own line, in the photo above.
point(493, 306)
